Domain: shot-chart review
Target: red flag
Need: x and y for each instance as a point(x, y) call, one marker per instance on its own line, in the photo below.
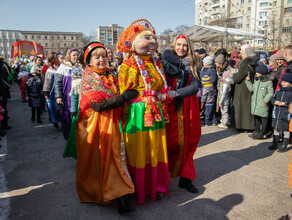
point(26, 47)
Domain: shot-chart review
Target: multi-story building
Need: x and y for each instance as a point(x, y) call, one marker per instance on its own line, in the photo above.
point(271, 18)
point(51, 41)
point(109, 35)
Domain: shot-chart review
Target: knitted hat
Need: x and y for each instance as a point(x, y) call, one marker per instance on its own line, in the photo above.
point(128, 36)
point(208, 60)
point(262, 69)
point(273, 58)
point(220, 59)
point(287, 77)
point(280, 55)
point(202, 51)
point(89, 49)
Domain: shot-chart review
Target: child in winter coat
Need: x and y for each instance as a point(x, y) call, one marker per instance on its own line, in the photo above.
point(281, 115)
point(33, 89)
point(262, 89)
point(225, 98)
point(22, 76)
point(208, 79)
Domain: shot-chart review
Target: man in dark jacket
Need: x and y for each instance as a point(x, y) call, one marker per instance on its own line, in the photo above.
point(4, 92)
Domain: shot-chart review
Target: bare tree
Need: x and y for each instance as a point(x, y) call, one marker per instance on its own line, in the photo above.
point(180, 29)
point(167, 32)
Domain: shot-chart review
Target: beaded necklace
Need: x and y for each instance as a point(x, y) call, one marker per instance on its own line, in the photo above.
point(152, 112)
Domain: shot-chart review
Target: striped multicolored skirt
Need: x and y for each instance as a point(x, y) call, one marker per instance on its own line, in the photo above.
point(146, 151)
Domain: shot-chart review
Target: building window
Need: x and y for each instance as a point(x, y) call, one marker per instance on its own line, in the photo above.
point(260, 41)
point(72, 45)
point(46, 44)
point(39, 37)
point(72, 38)
point(264, 4)
point(249, 0)
point(64, 37)
point(52, 45)
point(288, 10)
point(249, 9)
point(65, 45)
point(52, 37)
point(32, 37)
point(242, 2)
point(263, 22)
point(47, 52)
point(77, 45)
point(46, 37)
point(287, 21)
point(58, 37)
point(239, 26)
point(263, 13)
point(287, 29)
point(25, 37)
point(247, 25)
point(289, 1)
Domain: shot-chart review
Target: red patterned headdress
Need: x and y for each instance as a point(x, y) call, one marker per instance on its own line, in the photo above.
point(127, 37)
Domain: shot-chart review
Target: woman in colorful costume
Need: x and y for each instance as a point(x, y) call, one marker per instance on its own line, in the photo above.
point(101, 174)
point(144, 130)
point(63, 88)
point(184, 130)
point(49, 89)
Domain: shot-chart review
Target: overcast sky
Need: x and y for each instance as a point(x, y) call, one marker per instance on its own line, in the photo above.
point(85, 15)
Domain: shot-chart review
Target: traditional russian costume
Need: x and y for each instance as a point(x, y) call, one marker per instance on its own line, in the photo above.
point(144, 129)
point(101, 174)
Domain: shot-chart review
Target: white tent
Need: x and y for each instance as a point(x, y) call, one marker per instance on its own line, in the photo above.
point(206, 33)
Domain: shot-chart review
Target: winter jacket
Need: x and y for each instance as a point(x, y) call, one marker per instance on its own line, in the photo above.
point(62, 71)
point(4, 84)
point(262, 93)
point(224, 94)
point(210, 72)
point(208, 95)
point(175, 67)
point(287, 69)
point(242, 96)
point(33, 89)
point(281, 115)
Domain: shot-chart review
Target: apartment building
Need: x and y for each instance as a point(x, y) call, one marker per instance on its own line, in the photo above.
point(269, 17)
point(51, 41)
point(109, 35)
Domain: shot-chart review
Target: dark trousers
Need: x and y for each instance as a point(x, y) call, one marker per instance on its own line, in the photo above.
point(210, 114)
point(38, 110)
point(260, 121)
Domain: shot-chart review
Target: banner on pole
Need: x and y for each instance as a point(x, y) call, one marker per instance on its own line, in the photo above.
point(26, 47)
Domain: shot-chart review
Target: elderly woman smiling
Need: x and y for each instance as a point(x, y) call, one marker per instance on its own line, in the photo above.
point(101, 174)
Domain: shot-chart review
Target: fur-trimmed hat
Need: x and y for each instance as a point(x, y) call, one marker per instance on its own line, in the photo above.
point(287, 77)
point(208, 60)
point(262, 69)
point(280, 55)
point(128, 36)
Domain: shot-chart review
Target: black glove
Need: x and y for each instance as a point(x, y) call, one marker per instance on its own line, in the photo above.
point(60, 106)
point(130, 94)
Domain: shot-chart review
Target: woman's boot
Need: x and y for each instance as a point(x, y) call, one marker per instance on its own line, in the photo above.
point(187, 184)
point(124, 206)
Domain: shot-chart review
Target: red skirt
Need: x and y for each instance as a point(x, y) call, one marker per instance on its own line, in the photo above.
point(183, 134)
